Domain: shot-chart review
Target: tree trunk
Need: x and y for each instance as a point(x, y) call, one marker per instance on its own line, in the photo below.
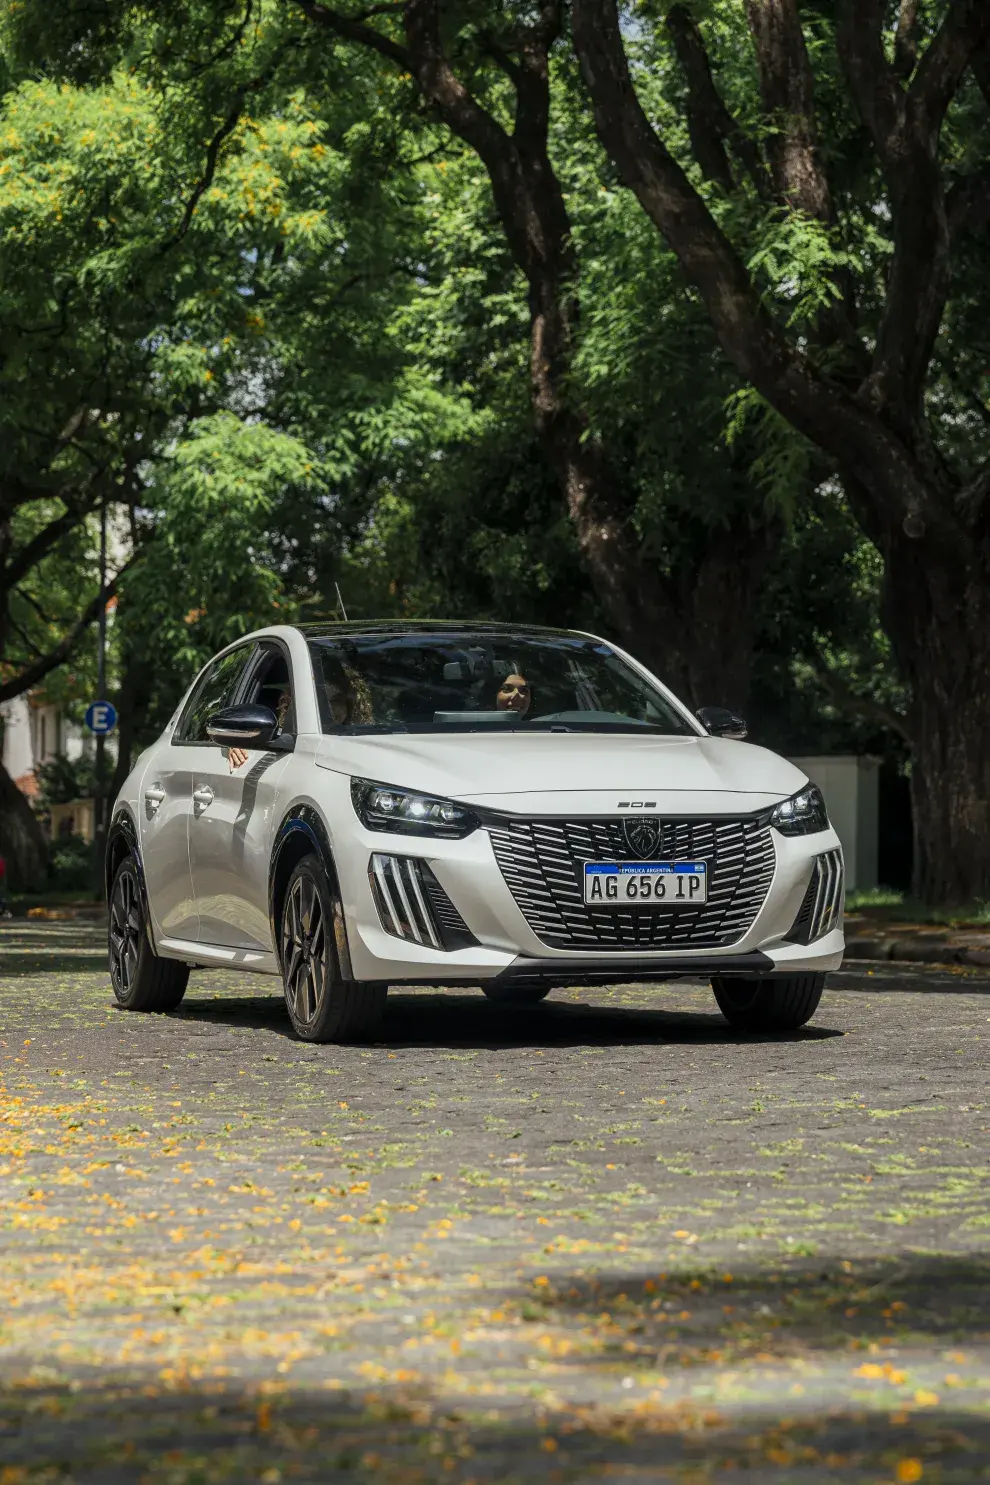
point(722, 606)
point(695, 629)
point(21, 840)
point(938, 617)
point(627, 583)
point(639, 604)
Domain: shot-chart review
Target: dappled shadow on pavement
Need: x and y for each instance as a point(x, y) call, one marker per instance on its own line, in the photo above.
point(790, 1374)
point(910, 979)
point(37, 948)
point(458, 1020)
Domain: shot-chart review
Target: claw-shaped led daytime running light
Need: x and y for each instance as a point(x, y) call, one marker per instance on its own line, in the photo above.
point(803, 814)
point(382, 807)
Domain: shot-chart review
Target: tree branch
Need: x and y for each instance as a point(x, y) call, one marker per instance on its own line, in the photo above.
point(967, 204)
point(905, 40)
point(77, 421)
point(710, 123)
point(38, 669)
point(981, 71)
point(974, 495)
point(502, 58)
point(961, 36)
point(846, 699)
point(206, 179)
point(904, 126)
point(820, 409)
point(787, 87)
point(879, 100)
point(30, 647)
point(355, 28)
point(39, 546)
point(30, 599)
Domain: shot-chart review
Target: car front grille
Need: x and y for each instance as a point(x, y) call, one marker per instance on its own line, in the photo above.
point(542, 862)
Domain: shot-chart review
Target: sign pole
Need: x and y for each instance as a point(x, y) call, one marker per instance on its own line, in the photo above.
point(99, 803)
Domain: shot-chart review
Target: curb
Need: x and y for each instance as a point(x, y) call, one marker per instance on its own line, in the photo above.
point(909, 951)
point(83, 913)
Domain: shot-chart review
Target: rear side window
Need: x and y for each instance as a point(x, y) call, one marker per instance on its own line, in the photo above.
point(215, 689)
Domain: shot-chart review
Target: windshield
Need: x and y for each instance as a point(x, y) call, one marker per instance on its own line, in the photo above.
point(484, 682)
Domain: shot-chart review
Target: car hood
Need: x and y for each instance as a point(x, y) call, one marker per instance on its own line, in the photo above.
point(536, 770)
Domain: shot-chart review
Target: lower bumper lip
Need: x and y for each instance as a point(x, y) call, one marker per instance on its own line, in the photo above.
point(594, 972)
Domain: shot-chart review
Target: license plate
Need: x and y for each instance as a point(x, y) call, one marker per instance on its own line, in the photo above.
point(645, 883)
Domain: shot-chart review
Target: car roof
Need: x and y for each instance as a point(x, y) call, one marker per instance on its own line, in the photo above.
point(397, 627)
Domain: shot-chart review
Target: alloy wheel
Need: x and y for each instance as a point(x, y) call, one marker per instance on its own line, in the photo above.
point(125, 933)
point(304, 951)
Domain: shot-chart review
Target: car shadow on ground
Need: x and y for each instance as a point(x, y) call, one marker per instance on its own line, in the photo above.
point(460, 1020)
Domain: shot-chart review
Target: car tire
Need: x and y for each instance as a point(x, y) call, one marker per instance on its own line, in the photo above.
point(768, 1003)
point(517, 994)
point(141, 981)
point(322, 1005)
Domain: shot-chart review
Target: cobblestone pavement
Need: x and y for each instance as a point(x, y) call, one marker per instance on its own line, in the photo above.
point(606, 1239)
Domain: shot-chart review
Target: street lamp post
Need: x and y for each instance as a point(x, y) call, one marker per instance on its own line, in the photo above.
point(99, 803)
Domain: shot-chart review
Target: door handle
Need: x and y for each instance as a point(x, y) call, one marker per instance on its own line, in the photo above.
point(202, 797)
point(154, 795)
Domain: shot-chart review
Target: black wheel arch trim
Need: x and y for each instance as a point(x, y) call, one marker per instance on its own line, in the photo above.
point(123, 831)
point(303, 820)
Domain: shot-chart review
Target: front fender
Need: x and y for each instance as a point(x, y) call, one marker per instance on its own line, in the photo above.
point(303, 833)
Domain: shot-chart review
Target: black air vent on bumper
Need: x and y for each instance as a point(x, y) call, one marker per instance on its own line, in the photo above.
point(542, 862)
point(821, 909)
point(413, 906)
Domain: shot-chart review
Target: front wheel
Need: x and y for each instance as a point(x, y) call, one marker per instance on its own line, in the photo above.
point(141, 981)
point(768, 1003)
point(322, 1006)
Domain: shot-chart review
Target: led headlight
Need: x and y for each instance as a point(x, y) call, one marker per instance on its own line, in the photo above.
point(382, 807)
point(803, 814)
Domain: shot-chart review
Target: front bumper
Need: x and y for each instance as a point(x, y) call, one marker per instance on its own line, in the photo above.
point(506, 946)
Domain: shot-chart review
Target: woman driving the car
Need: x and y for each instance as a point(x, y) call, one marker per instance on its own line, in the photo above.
point(515, 694)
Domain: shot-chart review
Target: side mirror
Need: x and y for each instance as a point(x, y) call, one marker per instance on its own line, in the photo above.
point(243, 726)
point(722, 723)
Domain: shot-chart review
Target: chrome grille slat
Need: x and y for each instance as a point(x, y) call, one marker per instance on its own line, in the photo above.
point(396, 868)
point(542, 864)
point(386, 907)
point(424, 914)
point(830, 865)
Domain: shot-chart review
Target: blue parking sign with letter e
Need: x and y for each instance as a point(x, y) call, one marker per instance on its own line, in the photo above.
point(101, 717)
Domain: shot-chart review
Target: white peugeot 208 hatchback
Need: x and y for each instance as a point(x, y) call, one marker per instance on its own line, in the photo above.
point(363, 805)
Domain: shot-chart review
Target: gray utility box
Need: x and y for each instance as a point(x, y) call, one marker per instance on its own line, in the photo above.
point(849, 784)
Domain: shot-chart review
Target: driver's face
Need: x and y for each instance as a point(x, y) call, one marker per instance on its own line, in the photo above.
point(514, 695)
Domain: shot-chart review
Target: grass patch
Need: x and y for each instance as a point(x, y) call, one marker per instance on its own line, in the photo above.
point(887, 905)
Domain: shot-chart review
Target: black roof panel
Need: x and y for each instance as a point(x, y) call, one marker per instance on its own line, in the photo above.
point(424, 626)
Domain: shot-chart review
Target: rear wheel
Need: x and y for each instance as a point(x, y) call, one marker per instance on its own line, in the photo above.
point(322, 1006)
point(516, 994)
point(768, 1003)
point(141, 981)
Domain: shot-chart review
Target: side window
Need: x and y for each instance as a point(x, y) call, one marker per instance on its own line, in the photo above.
point(271, 685)
point(216, 689)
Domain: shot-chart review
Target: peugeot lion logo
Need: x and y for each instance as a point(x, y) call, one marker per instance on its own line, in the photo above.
point(642, 835)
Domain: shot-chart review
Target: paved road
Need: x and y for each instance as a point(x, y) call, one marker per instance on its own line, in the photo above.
point(606, 1239)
